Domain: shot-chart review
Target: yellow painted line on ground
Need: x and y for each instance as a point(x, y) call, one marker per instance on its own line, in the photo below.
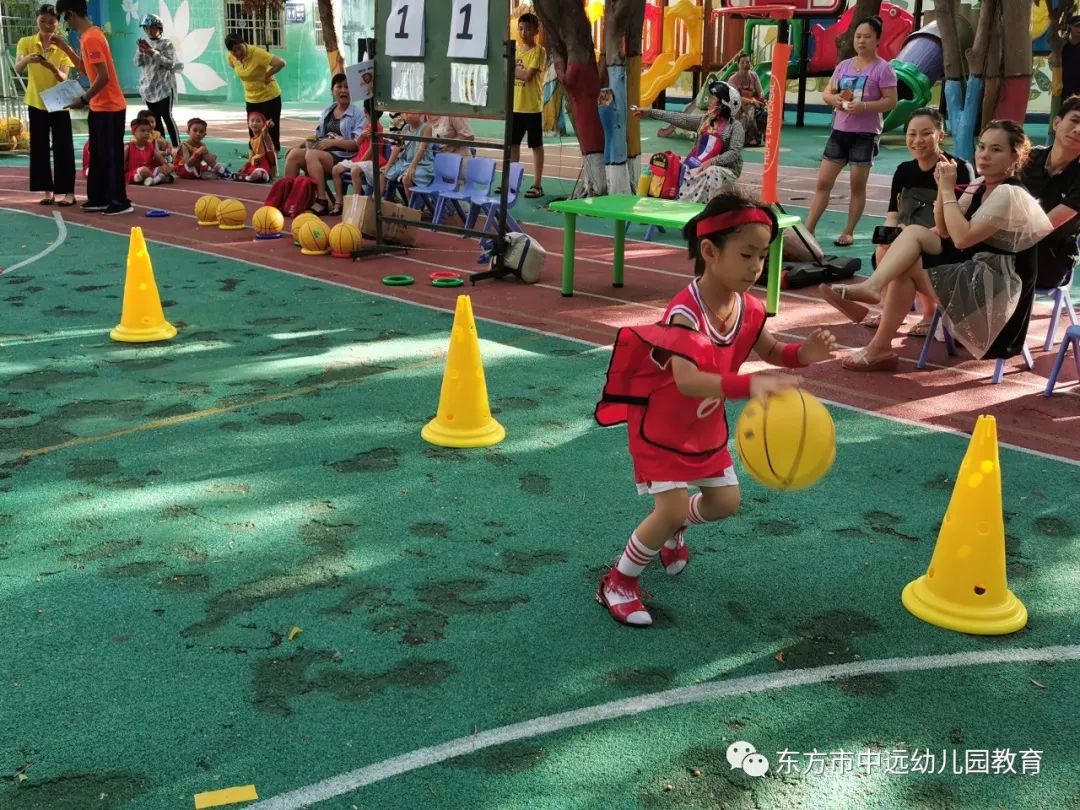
point(172, 421)
point(219, 798)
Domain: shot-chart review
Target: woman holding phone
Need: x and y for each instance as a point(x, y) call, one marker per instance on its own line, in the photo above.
point(45, 66)
point(156, 56)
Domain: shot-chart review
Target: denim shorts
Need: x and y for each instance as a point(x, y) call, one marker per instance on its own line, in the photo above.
point(856, 148)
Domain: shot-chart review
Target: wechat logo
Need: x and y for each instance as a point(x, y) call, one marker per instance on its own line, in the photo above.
point(743, 756)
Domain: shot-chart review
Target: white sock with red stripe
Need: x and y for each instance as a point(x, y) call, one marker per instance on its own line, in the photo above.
point(693, 516)
point(635, 557)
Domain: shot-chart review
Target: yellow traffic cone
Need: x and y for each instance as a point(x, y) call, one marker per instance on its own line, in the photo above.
point(965, 587)
point(464, 417)
point(142, 319)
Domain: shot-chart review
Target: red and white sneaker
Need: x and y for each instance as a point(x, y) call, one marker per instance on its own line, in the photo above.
point(621, 595)
point(676, 559)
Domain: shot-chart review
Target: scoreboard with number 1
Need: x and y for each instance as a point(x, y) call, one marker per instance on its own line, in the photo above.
point(803, 8)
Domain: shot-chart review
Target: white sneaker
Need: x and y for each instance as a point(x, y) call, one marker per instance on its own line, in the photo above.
point(149, 181)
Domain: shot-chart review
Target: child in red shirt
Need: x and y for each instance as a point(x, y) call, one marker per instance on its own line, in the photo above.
point(194, 161)
point(262, 160)
point(669, 382)
point(143, 163)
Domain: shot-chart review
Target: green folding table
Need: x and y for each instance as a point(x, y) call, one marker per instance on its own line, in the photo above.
point(624, 208)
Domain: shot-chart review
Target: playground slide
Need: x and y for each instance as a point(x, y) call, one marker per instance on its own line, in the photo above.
point(664, 72)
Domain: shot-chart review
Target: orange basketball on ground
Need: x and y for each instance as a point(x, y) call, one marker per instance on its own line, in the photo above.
point(314, 238)
point(267, 220)
point(345, 239)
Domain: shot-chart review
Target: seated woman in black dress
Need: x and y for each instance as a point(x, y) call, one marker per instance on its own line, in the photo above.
point(987, 235)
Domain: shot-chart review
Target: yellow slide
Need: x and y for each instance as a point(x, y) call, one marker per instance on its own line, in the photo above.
point(678, 54)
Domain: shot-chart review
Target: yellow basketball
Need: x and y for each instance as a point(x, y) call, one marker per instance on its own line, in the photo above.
point(299, 220)
point(231, 215)
point(267, 220)
point(314, 237)
point(787, 443)
point(344, 239)
point(206, 209)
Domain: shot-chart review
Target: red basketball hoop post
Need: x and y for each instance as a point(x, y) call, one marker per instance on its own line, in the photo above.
point(777, 89)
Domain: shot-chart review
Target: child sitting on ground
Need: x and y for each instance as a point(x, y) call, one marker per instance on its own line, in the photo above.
point(261, 166)
point(669, 382)
point(143, 163)
point(161, 143)
point(194, 160)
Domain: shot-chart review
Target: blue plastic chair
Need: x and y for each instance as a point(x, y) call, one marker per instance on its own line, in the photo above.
point(489, 205)
point(479, 175)
point(444, 178)
point(950, 347)
point(1062, 298)
point(1072, 338)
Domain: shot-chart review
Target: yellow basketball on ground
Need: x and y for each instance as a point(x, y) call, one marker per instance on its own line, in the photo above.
point(231, 215)
point(299, 220)
point(345, 238)
point(267, 220)
point(314, 237)
point(206, 209)
point(787, 443)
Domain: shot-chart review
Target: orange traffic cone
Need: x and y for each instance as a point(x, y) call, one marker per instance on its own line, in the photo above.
point(142, 319)
point(464, 417)
point(965, 587)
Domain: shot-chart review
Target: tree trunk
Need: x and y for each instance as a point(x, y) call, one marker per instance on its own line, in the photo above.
point(329, 36)
point(946, 11)
point(623, 21)
point(1059, 15)
point(863, 9)
point(1016, 65)
point(567, 31)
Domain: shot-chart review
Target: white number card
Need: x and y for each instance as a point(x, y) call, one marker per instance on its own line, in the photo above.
point(469, 30)
point(405, 29)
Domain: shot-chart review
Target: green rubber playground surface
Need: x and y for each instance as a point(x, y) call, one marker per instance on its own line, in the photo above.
point(168, 514)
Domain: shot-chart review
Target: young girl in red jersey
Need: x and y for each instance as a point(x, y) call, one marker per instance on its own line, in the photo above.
point(262, 161)
point(668, 381)
point(143, 162)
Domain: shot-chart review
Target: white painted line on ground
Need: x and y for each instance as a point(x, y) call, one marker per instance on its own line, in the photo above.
point(422, 757)
point(590, 343)
point(61, 235)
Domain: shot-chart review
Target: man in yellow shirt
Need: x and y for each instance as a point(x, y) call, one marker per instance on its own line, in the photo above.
point(46, 65)
point(105, 188)
point(255, 68)
point(529, 99)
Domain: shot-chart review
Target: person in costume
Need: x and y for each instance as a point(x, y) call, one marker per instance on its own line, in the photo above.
point(669, 382)
point(985, 265)
point(715, 162)
point(261, 166)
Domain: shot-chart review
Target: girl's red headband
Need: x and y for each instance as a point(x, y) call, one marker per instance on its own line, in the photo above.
point(732, 219)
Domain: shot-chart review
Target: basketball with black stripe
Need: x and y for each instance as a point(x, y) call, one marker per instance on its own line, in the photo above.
point(787, 443)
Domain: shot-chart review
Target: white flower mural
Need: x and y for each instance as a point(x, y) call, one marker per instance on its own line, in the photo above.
point(131, 10)
point(189, 47)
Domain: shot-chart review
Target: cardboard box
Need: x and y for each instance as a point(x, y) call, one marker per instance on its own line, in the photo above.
point(360, 211)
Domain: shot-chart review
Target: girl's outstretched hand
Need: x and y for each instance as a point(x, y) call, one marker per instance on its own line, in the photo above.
point(764, 383)
point(820, 345)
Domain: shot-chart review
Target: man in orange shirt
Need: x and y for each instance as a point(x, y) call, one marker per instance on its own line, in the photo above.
point(105, 188)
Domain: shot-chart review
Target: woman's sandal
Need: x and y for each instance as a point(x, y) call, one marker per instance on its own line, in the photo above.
point(534, 192)
point(844, 240)
point(67, 202)
point(854, 311)
point(871, 321)
point(45, 201)
point(320, 208)
point(921, 329)
point(335, 211)
point(860, 361)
